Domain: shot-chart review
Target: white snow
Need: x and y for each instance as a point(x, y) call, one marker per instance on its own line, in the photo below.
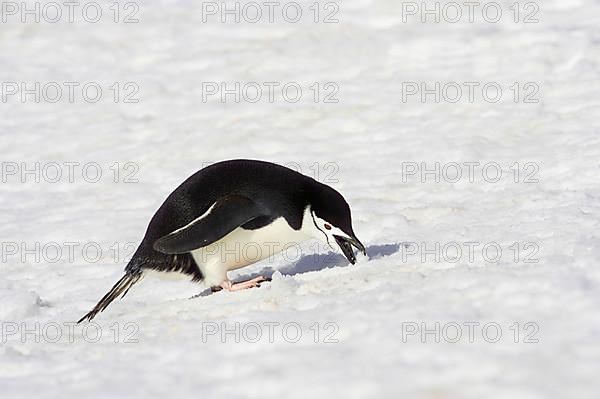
point(370, 137)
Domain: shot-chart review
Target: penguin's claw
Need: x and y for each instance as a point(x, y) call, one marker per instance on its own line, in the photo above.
point(242, 285)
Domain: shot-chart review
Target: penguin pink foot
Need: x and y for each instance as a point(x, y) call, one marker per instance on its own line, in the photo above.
point(242, 285)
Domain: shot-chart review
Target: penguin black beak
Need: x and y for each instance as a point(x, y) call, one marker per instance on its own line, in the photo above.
point(346, 243)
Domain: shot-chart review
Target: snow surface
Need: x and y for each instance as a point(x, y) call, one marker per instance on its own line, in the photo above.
point(170, 133)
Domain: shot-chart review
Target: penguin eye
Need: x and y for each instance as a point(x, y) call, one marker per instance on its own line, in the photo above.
point(327, 226)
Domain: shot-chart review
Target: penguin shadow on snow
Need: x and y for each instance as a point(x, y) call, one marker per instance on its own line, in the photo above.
point(316, 262)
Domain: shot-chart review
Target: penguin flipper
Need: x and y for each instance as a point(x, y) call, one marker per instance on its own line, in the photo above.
point(224, 216)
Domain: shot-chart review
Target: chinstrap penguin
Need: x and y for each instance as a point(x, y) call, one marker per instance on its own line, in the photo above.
point(201, 227)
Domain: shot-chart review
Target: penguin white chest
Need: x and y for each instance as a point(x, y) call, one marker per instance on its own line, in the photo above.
point(243, 247)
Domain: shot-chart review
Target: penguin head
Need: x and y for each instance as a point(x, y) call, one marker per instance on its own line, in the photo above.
point(333, 221)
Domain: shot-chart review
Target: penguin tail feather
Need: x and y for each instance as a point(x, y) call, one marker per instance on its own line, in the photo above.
point(120, 288)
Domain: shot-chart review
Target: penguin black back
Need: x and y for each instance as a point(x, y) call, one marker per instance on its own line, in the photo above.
point(271, 186)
